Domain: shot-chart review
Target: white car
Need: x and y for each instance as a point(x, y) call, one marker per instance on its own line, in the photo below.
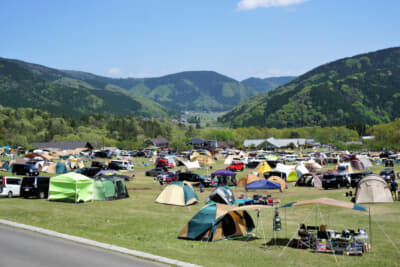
point(10, 186)
point(127, 165)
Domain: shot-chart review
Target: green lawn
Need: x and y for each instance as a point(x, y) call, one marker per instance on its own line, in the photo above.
point(139, 223)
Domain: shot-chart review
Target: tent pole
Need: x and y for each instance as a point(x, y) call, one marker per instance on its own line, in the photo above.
point(370, 228)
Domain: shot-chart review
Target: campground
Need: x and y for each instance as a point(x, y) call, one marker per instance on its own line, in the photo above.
point(141, 224)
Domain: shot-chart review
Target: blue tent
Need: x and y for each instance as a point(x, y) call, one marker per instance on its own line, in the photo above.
point(262, 185)
point(61, 168)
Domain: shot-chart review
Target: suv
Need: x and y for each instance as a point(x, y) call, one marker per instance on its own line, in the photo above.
point(10, 186)
point(120, 165)
point(24, 169)
point(236, 166)
point(160, 162)
point(335, 181)
point(355, 178)
point(388, 175)
point(103, 154)
point(89, 171)
point(156, 171)
point(194, 177)
point(35, 186)
point(102, 165)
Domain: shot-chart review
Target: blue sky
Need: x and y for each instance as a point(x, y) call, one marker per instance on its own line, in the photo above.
point(238, 38)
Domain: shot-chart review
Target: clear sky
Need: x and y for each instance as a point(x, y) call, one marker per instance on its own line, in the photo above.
point(238, 38)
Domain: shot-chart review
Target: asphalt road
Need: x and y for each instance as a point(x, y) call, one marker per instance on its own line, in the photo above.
point(20, 248)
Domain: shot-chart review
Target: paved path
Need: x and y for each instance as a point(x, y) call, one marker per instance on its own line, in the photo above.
point(20, 248)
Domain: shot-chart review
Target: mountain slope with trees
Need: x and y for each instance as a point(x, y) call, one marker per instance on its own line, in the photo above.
point(29, 85)
point(363, 89)
point(267, 84)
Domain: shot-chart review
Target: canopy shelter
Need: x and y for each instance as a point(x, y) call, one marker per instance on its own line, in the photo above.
point(225, 177)
point(71, 186)
point(326, 201)
point(373, 189)
point(223, 195)
point(263, 185)
point(218, 221)
point(178, 194)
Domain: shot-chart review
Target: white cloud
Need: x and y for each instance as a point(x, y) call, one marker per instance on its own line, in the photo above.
point(115, 71)
point(253, 4)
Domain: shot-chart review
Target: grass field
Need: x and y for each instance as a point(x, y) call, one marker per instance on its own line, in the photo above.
point(139, 223)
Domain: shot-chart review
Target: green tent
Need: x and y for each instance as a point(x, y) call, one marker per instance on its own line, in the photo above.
point(109, 187)
point(71, 186)
point(61, 168)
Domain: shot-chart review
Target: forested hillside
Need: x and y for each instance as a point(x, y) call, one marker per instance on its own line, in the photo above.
point(267, 84)
point(29, 85)
point(364, 89)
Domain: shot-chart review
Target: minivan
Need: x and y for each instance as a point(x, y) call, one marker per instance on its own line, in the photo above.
point(10, 186)
point(24, 169)
point(35, 187)
point(120, 165)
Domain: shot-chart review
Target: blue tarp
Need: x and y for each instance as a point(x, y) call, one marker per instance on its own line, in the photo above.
point(263, 185)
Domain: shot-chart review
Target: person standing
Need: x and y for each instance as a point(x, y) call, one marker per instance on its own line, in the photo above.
point(393, 189)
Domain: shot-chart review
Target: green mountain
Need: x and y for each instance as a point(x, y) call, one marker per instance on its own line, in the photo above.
point(24, 84)
point(364, 89)
point(267, 84)
point(190, 90)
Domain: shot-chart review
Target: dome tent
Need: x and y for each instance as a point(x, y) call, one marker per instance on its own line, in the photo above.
point(373, 189)
point(178, 194)
point(223, 195)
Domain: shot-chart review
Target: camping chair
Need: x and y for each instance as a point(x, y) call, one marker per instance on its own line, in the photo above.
point(307, 239)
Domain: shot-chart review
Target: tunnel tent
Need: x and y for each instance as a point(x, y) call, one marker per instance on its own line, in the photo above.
point(373, 189)
point(71, 186)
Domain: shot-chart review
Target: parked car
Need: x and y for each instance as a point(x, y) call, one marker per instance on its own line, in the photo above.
point(388, 175)
point(24, 169)
point(194, 177)
point(162, 162)
point(103, 154)
point(335, 181)
point(167, 178)
point(140, 154)
point(10, 186)
point(100, 164)
point(35, 187)
point(120, 165)
point(89, 171)
point(156, 171)
point(253, 164)
point(236, 166)
point(355, 178)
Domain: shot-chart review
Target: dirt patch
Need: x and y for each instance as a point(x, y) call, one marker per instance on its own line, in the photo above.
point(140, 188)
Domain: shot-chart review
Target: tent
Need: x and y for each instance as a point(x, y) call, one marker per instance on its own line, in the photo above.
point(263, 185)
point(263, 167)
point(291, 175)
point(248, 179)
point(373, 189)
point(278, 180)
point(225, 177)
point(61, 168)
point(357, 164)
point(310, 179)
point(73, 186)
point(218, 221)
point(178, 194)
point(366, 162)
point(223, 195)
point(103, 189)
point(312, 165)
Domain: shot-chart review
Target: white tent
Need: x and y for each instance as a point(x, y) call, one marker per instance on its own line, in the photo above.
point(373, 189)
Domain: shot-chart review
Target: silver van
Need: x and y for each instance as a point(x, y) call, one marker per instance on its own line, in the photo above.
point(10, 186)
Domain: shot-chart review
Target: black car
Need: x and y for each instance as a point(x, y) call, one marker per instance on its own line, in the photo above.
point(89, 171)
point(116, 166)
point(35, 187)
point(335, 181)
point(24, 169)
point(156, 171)
point(140, 154)
point(355, 178)
point(193, 177)
point(252, 164)
point(99, 164)
point(388, 175)
point(103, 154)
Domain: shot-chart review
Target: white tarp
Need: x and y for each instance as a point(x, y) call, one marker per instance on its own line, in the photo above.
point(191, 164)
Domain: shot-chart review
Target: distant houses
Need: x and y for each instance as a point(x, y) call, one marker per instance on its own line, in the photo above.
point(273, 143)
